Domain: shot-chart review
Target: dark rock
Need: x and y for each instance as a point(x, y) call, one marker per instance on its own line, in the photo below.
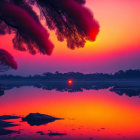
point(40, 132)
point(56, 134)
point(7, 117)
point(4, 124)
point(6, 132)
point(38, 119)
point(102, 128)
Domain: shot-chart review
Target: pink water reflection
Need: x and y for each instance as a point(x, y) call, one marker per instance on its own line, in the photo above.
point(90, 114)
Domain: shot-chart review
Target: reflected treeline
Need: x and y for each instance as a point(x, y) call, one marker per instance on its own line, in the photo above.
point(121, 82)
point(129, 91)
point(130, 88)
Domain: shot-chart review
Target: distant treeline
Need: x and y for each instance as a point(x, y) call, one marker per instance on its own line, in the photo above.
point(128, 74)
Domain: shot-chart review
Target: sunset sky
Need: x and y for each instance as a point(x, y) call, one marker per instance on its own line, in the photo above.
point(117, 45)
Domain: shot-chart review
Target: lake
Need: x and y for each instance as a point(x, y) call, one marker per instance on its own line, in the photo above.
point(99, 114)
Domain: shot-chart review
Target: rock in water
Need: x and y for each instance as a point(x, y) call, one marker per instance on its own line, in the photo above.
point(38, 119)
point(51, 134)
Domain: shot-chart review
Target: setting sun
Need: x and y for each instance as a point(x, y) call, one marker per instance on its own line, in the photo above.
point(70, 82)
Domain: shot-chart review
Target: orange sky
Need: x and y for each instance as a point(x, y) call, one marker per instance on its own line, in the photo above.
point(116, 46)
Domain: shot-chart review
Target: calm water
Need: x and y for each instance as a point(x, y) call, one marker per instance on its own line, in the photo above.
point(91, 114)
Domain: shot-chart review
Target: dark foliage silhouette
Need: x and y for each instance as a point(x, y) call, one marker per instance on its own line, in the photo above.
point(6, 61)
point(70, 20)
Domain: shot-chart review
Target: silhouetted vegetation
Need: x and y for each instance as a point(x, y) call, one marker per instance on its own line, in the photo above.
point(57, 76)
point(121, 82)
